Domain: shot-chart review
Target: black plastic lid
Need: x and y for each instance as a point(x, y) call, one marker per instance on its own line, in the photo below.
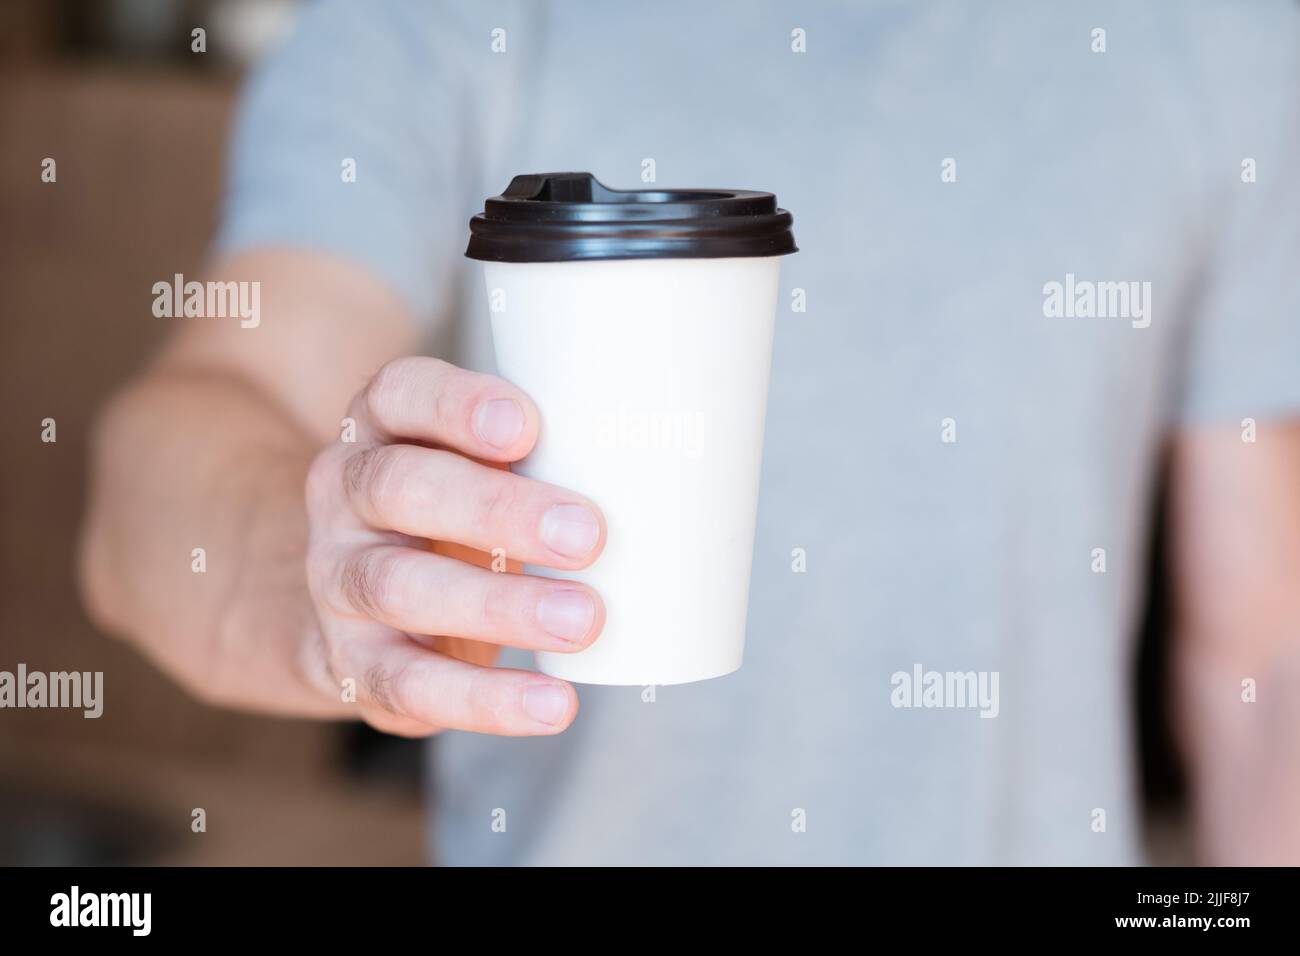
point(558, 217)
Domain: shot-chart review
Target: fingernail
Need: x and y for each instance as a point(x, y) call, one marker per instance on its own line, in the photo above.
point(566, 614)
point(546, 703)
point(499, 422)
point(570, 530)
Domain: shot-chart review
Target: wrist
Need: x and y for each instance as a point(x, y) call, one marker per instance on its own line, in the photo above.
point(267, 649)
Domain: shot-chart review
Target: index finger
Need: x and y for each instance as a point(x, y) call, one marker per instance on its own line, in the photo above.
point(429, 400)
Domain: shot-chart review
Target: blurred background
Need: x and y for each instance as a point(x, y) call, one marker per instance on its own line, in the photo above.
point(137, 123)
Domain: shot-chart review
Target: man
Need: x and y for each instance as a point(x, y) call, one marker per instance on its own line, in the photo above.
point(1040, 249)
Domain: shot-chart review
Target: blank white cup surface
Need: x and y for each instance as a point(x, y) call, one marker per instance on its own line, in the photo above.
point(651, 376)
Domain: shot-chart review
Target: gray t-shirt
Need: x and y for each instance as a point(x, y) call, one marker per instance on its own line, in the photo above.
point(955, 448)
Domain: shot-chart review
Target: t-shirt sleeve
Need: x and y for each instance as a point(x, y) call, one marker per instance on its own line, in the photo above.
point(349, 140)
point(1243, 358)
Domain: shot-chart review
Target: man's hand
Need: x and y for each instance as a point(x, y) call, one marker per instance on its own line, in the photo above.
point(319, 566)
point(386, 603)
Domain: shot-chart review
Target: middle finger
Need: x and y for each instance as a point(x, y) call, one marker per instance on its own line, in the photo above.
point(443, 496)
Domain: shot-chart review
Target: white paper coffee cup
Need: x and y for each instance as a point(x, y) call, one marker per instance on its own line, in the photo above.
point(650, 372)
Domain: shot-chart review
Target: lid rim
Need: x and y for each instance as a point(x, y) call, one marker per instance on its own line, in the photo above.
point(560, 217)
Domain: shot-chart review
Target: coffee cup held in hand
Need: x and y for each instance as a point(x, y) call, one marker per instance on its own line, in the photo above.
point(641, 324)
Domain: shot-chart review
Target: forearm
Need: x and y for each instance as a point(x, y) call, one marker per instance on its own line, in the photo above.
point(1241, 733)
point(1235, 530)
point(195, 458)
point(210, 449)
